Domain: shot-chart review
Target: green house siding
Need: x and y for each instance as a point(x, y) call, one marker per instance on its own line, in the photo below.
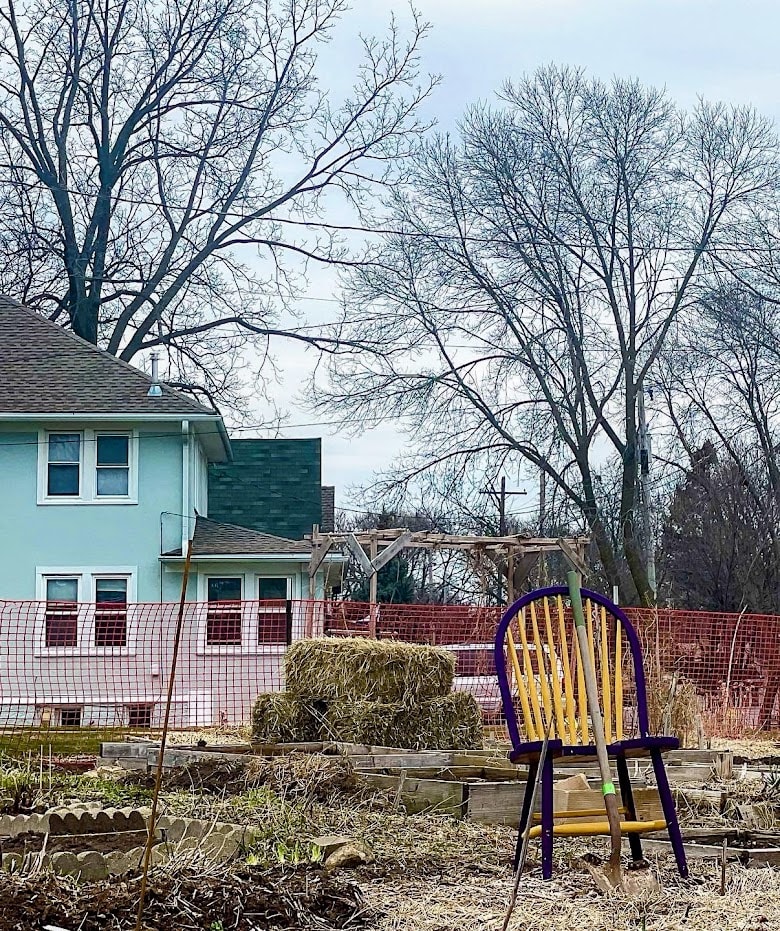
point(273, 486)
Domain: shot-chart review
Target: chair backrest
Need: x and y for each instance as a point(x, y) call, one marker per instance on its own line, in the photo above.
point(540, 673)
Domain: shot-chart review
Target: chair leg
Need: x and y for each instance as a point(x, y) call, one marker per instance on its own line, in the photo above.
point(547, 819)
point(526, 812)
point(627, 796)
point(670, 813)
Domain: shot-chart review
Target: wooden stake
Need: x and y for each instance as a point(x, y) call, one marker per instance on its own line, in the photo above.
point(163, 738)
point(372, 587)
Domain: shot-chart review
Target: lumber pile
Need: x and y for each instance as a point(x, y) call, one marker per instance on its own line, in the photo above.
point(374, 692)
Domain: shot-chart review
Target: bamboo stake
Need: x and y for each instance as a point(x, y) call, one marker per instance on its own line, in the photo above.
point(163, 738)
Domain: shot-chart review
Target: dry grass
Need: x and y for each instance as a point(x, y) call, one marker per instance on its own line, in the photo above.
point(433, 873)
point(755, 747)
point(329, 669)
point(474, 900)
point(674, 709)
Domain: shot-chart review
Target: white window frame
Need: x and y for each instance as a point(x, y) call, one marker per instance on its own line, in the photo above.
point(87, 577)
point(87, 468)
point(250, 615)
point(45, 465)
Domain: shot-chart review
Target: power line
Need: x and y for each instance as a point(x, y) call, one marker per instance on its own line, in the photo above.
point(332, 227)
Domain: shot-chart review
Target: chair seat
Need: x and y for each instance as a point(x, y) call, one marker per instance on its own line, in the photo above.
point(593, 828)
point(557, 749)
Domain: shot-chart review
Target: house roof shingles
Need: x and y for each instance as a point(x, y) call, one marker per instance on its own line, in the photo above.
point(45, 369)
point(212, 538)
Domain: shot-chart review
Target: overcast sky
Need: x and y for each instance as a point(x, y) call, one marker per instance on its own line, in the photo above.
point(718, 49)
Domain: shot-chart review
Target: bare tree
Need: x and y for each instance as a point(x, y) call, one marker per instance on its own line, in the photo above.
point(165, 165)
point(721, 387)
point(533, 272)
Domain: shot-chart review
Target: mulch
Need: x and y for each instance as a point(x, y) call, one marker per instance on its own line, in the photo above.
point(32, 842)
point(246, 899)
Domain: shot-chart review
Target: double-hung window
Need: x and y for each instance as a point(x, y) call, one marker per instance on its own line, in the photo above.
point(111, 612)
point(112, 465)
point(88, 467)
point(85, 609)
point(62, 611)
point(223, 612)
point(63, 474)
point(274, 610)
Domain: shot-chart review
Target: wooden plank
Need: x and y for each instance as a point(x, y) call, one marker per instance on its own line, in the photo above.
point(495, 802)
point(278, 749)
point(174, 757)
point(423, 795)
point(359, 553)
point(409, 759)
point(387, 554)
point(115, 750)
point(698, 851)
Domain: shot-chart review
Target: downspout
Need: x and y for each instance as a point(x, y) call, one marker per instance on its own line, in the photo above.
point(185, 485)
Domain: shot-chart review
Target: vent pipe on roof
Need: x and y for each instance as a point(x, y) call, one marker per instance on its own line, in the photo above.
point(155, 391)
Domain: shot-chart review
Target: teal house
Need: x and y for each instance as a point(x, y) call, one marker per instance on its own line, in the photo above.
point(107, 478)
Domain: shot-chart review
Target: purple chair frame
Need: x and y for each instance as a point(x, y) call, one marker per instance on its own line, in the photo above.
point(645, 745)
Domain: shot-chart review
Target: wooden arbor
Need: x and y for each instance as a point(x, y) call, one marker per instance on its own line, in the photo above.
point(373, 549)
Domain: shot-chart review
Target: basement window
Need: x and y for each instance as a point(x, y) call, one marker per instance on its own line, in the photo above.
point(139, 715)
point(70, 717)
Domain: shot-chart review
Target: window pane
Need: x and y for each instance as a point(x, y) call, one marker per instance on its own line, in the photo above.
point(112, 481)
point(224, 589)
point(62, 589)
point(110, 591)
point(112, 450)
point(64, 447)
point(63, 480)
point(61, 612)
point(272, 589)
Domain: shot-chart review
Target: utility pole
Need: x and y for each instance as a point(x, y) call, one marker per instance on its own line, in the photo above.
point(500, 496)
point(645, 465)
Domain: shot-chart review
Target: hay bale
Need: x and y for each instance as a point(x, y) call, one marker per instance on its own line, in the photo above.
point(330, 669)
point(448, 722)
point(278, 717)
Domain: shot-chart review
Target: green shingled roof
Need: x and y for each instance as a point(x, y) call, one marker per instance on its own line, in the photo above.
point(272, 486)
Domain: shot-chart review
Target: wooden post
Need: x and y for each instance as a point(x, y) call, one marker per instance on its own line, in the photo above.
point(315, 539)
point(510, 575)
point(372, 585)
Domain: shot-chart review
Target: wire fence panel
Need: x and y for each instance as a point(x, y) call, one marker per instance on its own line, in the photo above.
point(103, 670)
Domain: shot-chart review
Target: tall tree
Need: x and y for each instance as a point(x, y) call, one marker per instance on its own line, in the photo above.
point(721, 384)
point(716, 551)
point(158, 156)
point(533, 272)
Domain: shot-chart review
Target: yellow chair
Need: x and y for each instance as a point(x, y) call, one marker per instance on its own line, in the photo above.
point(542, 685)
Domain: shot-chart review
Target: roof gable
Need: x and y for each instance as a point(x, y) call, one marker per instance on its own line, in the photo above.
point(45, 369)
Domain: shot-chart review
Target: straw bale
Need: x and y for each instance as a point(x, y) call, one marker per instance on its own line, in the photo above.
point(448, 722)
point(328, 669)
point(278, 717)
